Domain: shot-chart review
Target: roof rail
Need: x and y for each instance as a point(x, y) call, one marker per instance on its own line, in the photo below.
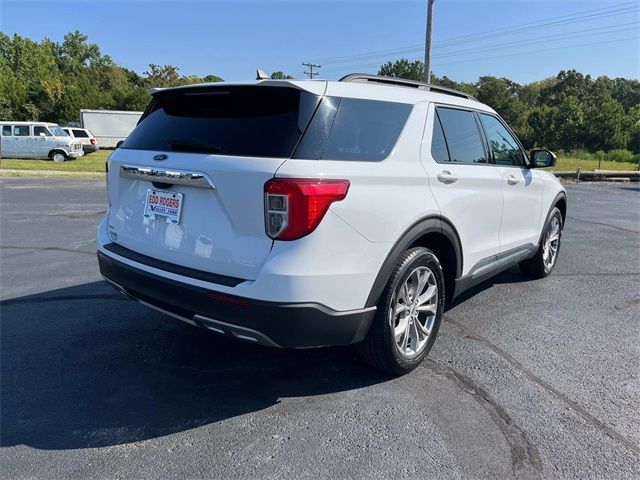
point(367, 77)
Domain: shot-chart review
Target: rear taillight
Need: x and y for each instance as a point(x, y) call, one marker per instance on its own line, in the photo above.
point(93, 141)
point(294, 207)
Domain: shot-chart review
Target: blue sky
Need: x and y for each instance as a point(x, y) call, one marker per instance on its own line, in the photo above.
point(232, 39)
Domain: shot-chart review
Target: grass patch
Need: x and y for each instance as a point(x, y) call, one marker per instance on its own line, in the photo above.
point(93, 163)
point(570, 164)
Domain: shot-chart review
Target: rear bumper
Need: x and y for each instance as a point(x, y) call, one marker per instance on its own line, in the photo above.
point(290, 325)
point(89, 148)
point(75, 153)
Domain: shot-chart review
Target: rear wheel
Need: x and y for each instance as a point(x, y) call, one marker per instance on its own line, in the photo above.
point(57, 156)
point(544, 261)
point(408, 315)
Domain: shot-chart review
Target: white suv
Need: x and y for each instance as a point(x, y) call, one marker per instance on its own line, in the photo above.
point(311, 213)
point(85, 137)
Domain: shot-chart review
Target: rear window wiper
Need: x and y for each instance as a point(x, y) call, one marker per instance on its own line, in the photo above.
point(193, 145)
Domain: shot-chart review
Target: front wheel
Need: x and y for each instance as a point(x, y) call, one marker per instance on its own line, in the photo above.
point(57, 156)
point(544, 261)
point(408, 315)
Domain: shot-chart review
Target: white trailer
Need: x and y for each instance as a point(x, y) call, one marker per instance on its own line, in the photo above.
point(110, 127)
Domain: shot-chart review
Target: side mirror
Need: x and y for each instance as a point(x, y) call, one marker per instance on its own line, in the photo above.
point(42, 135)
point(542, 158)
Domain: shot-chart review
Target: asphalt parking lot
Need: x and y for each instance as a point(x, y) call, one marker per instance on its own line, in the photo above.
point(528, 379)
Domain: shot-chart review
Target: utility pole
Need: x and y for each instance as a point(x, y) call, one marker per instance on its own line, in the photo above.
point(427, 42)
point(311, 66)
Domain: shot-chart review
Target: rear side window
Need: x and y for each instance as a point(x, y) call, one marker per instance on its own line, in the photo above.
point(79, 133)
point(242, 121)
point(462, 136)
point(353, 129)
point(21, 130)
point(6, 130)
point(439, 150)
point(365, 130)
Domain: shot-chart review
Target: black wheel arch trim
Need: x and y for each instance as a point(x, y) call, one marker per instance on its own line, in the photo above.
point(554, 204)
point(424, 226)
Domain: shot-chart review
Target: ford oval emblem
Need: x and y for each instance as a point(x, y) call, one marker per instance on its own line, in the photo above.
point(160, 156)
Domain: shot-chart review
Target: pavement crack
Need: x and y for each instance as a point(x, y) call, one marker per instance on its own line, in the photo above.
point(604, 224)
point(525, 459)
point(62, 298)
point(45, 249)
point(577, 408)
point(627, 304)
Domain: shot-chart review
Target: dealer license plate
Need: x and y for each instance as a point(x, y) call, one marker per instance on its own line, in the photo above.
point(163, 206)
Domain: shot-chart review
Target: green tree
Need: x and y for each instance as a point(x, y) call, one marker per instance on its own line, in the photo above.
point(606, 126)
point(281, 76)
point(403, 68)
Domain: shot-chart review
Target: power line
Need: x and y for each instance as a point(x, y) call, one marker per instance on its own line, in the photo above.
point(587, 15)
point(589, 32)
point(543, 50)
point(310, 72)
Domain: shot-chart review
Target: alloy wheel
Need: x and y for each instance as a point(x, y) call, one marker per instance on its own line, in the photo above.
point(413, 311)
point(551, 243)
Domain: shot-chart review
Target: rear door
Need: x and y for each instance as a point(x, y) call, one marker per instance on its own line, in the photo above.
point(465, 185)
point(521, 188)
point(22, 141)
point(211, 150)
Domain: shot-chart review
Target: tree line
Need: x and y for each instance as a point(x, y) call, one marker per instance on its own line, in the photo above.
point(569, 112)
point(52, 81)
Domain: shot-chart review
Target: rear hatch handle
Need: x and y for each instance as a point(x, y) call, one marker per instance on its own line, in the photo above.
point(171, 176)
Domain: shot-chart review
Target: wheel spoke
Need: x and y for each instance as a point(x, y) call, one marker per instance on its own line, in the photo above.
point(424, 331)
point(427, 295)
point(423, 277)
point(554, 237)
point(401, 308)
point(430, 309)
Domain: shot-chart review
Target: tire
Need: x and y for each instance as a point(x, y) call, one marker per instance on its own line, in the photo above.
point(546, 257)
point(382, 348)
point(119, 144)
point(57, 156)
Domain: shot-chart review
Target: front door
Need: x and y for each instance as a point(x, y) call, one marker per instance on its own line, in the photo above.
point(521, 187)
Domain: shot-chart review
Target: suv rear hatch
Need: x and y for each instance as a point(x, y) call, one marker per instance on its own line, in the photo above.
point(187, 186)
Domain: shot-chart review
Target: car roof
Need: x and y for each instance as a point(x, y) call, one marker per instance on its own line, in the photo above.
point(401, 92)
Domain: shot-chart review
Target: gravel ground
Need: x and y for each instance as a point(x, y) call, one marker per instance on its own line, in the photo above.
point(528, 379)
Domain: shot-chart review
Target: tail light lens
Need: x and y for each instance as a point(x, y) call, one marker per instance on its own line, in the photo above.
point(294, 207)
point(93, 141)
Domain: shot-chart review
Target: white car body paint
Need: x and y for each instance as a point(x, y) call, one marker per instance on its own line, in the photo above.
point(222, 229)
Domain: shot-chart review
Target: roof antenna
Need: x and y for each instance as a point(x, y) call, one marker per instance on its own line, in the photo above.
point(261, 75)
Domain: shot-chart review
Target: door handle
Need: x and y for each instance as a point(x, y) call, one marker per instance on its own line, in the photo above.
point(446, 177)
point(512, 180)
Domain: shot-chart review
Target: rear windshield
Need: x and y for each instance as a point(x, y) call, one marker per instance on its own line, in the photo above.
point(244, 121)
